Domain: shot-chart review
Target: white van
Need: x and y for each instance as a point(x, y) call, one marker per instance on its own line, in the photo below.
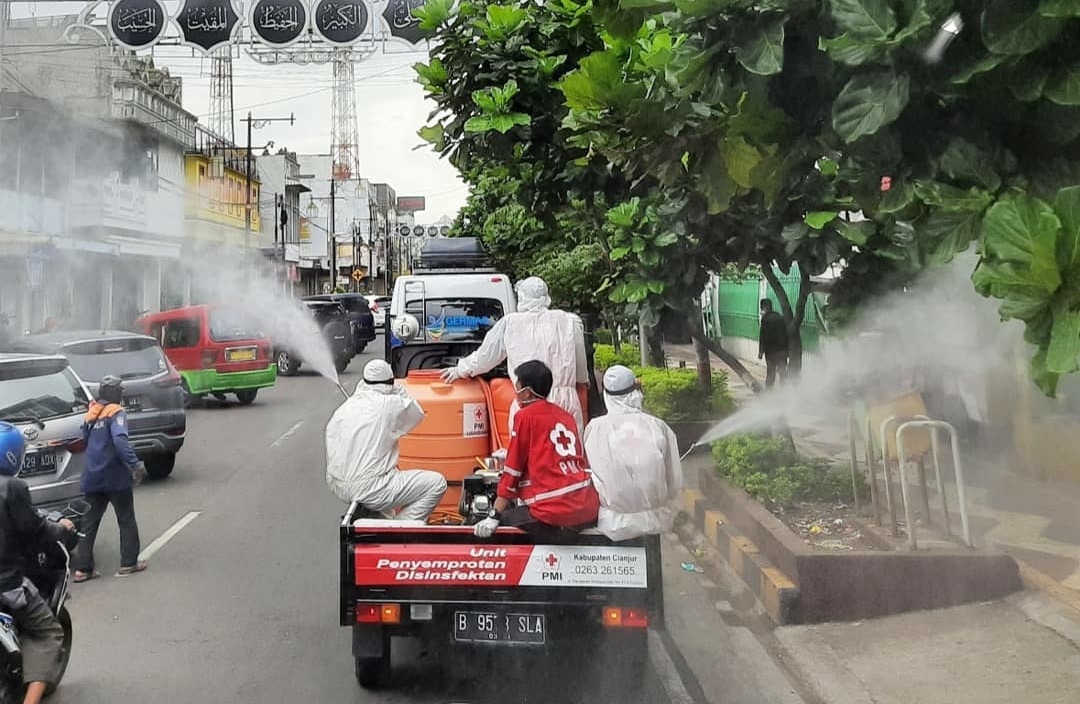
point(441, 314)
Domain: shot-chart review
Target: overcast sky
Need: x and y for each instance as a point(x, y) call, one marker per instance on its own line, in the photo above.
point(390, 109)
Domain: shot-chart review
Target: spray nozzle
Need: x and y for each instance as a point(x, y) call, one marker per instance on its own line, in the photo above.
point(686, 454)
point(342, 390)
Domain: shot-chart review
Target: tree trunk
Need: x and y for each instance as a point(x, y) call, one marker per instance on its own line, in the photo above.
point(792, 317)
point(656, 348)
point(704, 368)
point(697, 332)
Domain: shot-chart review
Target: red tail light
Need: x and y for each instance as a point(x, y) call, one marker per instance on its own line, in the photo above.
point(368, 613)
point(208, 358)
point(172, 378)
point(616, 617)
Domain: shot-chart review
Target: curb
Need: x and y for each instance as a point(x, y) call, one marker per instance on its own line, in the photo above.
point(1036, 580)
point(776, 592)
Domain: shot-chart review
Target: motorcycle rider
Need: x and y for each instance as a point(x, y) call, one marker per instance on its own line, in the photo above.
point(42, 636)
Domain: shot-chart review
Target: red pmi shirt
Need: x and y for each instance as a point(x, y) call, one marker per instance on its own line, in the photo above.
point(546, 468)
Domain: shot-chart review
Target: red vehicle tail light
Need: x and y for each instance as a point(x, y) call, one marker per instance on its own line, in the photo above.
point(172, 378)
point(616, 617)
point(391, 613)
point(368, 613)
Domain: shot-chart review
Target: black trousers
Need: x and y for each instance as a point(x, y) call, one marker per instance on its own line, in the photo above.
point(123, 503)
point(776, 365)
point(519, 517)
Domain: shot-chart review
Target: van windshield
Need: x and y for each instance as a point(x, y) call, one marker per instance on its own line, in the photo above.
point(456, 319)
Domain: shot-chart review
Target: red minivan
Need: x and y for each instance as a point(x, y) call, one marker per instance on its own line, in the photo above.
point(217, 349)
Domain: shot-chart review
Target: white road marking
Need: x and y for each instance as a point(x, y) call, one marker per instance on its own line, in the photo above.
point(287, 434)
point(666, 671)
point(168, 535)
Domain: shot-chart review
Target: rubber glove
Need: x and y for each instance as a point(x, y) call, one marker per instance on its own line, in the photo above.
point(451, 374)
point(486, 528)
point(138, 474)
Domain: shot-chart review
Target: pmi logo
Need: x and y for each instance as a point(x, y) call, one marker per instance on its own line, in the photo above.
point(552, 573)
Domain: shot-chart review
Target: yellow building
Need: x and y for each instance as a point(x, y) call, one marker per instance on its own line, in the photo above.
point(216, 183)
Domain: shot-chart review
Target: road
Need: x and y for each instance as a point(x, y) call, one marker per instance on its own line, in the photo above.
point(240, 603)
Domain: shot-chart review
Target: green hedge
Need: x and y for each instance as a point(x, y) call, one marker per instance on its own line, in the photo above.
point(770, 471)
point(673, 394)
point(604, 356)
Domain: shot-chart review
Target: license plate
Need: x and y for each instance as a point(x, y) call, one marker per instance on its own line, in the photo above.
point(38, 463)
point(132, 404)
point(476, 627)
point(244, 355)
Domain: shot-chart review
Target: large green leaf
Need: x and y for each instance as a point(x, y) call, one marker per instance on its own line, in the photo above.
point(1064, 344)
point(1059, 8)
point(1057, 124)
point(1046, 380)
point(819, 218)
point(1067, 208)
point(1064, 86)
point(949, 233)
point(983, 65)
point(866, 19)
point(858, 233)
point(1028, 81)
point(942, 195)
point(741, 159)
point(762, 51)
point(965, 162)
point(869, 102)
point(1015, 27)
point(850, 50)
point(434, 135)
point(716, 183)
point(922, 16)
point(1024, 230)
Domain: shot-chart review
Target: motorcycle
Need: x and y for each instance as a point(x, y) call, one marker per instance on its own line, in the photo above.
point(50, 572)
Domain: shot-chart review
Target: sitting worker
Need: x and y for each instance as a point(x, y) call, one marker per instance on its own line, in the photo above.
point(545, 466)
point(554, 337)
point(635, 462)
point(362, 449)
point(41, 635)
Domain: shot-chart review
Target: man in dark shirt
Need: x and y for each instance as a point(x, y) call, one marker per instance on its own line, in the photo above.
point(773, 343)
point(21, 528)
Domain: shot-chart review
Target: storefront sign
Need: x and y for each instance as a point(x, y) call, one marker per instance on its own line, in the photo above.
point(403, 25)
point(137, 24)
point(207, 24)
point(278, 23)
point(340, 22)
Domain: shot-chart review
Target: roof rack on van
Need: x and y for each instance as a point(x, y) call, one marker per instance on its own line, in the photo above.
point(453, 253)
point(470, 270)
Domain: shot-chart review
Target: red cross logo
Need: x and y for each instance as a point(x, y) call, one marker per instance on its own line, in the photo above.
point(479, 415)
point(552, 560)
point(564, 441)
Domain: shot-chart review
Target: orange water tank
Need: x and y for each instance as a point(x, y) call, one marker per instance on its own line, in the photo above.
point(454, 431)
point(502, 398)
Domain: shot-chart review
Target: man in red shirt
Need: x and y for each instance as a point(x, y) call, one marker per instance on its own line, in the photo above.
point(545, 468)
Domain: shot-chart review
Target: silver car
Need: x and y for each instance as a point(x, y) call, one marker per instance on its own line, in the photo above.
point(44, 398)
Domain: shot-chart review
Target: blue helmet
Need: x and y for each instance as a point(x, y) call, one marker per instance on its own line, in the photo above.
point(12, 449)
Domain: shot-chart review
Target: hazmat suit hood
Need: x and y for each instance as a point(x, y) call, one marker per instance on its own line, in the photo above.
point(532, 295)
point(621, 391)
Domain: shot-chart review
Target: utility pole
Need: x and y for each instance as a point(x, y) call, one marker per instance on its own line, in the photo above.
point(253, 123)
point(333, 238)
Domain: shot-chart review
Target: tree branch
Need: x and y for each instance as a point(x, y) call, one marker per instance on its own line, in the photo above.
point(697, 332)
point(777, 288)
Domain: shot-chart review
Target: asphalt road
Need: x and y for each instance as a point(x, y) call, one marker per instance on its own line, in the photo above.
point(240, 604)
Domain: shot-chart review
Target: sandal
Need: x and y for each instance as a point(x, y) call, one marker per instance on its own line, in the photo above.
point(79, 577)
point(126, 571)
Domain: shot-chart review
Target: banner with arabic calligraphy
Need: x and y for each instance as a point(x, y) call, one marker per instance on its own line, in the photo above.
point(400, 20)
point(340, 22)
point(278, 23)
point(207, 24)
point(137, 24)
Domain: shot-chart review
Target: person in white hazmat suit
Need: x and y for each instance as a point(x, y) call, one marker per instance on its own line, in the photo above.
point(534, 332)
point(362, 449)
point(635, 462)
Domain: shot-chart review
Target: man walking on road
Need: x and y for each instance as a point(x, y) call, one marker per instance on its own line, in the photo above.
point(112, 471)
point(773, 343)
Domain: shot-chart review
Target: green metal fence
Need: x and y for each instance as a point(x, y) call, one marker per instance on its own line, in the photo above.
point(734, 309)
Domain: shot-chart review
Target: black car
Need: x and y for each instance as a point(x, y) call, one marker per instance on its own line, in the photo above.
point(153, 397)
point(361, 318)
point(333, 324)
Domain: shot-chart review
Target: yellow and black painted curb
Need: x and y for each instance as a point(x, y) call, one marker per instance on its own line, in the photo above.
point(776, 592)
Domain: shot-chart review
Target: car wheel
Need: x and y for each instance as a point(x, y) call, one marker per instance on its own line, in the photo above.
point(246, 397)
point(373, 673)
point(361, 348)
point(341, 364)
point(160, 466)
point(65, 650)
point(287, 365)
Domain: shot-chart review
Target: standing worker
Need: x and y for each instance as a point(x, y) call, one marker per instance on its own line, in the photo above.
point(635, 462)
point(21, 527)
point(534, 332)
point(362, 449)
point(111, 474)
point(773, 343)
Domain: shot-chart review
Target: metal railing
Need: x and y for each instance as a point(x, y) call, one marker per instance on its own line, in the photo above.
point(934, 426)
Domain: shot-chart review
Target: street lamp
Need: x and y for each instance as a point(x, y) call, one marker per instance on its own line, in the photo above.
point(252, 123)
